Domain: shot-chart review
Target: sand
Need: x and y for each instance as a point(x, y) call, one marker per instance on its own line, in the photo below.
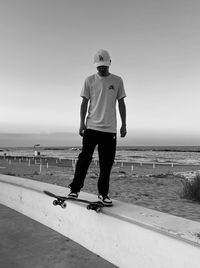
point(156, 188)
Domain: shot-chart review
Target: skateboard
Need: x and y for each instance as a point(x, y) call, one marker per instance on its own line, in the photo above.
point(60, 201)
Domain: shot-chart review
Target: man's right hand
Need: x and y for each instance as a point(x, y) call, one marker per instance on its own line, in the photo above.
point(82, 130)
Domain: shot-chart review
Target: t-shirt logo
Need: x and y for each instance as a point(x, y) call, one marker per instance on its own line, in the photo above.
point(100, 58)
point(111, 87)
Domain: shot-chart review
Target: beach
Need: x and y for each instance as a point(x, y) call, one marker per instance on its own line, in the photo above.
point(156, 187)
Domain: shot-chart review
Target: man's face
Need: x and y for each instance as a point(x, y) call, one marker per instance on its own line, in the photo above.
point(103, 70)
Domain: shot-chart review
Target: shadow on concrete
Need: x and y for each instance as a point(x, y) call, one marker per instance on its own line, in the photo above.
point(25, 243)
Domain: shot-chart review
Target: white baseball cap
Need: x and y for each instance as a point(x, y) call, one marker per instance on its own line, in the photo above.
point(102, 58)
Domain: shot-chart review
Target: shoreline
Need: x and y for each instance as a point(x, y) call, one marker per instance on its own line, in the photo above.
point(154, 155)
point(156, 188)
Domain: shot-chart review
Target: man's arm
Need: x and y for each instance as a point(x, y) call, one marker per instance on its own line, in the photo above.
point(83, 111)
point(122, 111)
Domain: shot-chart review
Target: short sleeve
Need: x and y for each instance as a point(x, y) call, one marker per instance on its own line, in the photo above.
point(85, 92)
point(121, 91)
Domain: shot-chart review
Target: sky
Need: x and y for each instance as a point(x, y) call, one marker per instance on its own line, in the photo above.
point(47, 49)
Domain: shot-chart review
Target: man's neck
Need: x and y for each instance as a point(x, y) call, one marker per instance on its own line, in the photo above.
point(104, 74)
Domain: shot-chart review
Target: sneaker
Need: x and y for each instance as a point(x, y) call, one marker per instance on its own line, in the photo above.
point(73, 195)
point(106, 201)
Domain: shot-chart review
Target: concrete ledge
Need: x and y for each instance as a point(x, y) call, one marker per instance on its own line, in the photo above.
point(126, 235)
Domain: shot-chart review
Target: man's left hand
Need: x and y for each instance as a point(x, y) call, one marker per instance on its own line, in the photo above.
point(123, 131)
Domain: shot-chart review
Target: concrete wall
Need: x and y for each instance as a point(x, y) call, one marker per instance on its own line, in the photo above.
point(126, 235)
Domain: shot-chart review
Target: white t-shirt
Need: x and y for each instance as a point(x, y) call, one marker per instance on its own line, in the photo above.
point(103, 92)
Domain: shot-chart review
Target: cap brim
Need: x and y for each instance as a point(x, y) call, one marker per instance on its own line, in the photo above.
point(102, 63)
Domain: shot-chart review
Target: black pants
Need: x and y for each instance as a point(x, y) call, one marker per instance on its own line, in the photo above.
point(106, 149)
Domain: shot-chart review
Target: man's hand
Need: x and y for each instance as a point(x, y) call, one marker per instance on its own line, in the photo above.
point(82, 129)
point(123, 131)
point(122, 111)
point(83, 112)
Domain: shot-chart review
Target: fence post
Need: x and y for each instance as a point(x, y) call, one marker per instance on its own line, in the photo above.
point(40, 168)
point(131, 168)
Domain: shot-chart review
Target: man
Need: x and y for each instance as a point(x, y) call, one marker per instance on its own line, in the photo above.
point(101, 91)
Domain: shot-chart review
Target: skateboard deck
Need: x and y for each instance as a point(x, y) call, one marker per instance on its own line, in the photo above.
point(60, 201)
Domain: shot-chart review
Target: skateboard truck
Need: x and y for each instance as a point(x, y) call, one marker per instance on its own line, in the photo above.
point(59, 203)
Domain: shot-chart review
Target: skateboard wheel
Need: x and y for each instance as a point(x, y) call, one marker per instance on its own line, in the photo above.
point(88, 207)
point(98, 210)
point(63, 205)
point(55, 202)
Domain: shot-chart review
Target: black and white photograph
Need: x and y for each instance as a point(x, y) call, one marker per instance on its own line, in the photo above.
point(99, 133)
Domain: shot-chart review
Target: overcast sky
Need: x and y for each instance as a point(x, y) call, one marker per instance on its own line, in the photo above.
point(47, 49)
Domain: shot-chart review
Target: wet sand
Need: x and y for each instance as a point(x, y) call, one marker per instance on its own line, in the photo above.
point(156, 188)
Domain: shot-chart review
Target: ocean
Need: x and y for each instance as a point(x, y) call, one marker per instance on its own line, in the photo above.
point(184, 155)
